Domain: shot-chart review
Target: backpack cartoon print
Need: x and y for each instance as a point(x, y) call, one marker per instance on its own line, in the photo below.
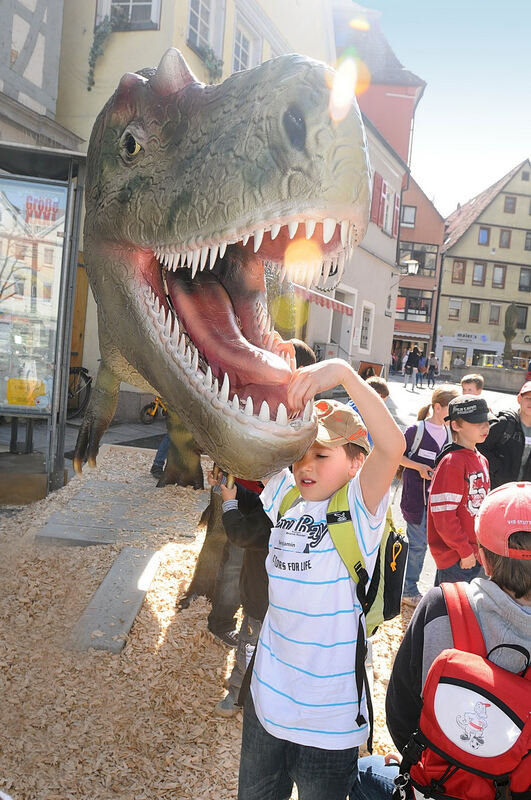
point(473, 724)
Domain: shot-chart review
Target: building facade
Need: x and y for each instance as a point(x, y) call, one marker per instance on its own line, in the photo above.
point(30, 44)
point(487, 269)
point(421, 237)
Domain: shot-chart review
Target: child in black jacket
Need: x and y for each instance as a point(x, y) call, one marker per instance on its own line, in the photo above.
point(246, 525)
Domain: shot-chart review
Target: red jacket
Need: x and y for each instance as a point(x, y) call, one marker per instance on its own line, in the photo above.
point(459, 484)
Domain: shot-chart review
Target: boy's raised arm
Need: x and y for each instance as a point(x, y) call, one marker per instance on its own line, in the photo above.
point(388, 442)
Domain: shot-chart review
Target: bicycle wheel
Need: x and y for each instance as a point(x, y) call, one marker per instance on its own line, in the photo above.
point(148, 414)
point(78, 393)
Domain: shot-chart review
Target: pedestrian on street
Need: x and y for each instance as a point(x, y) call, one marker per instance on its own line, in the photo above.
point(433, 369)
point(411, 368)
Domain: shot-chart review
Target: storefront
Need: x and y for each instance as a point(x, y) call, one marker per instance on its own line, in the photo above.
point(40, 207)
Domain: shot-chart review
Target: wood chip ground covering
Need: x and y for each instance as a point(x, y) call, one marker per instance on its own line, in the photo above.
point(75, 726)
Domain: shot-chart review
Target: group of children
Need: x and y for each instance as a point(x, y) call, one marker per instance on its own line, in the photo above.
point(305, 709)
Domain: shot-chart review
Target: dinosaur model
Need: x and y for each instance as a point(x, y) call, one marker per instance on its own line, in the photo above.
point(190, 190)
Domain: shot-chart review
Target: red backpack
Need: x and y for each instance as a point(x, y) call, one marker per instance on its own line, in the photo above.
point(474, 735)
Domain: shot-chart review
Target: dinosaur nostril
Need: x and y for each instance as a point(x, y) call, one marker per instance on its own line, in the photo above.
point(295, 127)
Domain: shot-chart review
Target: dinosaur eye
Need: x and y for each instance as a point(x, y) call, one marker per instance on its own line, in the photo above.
point(131, 145)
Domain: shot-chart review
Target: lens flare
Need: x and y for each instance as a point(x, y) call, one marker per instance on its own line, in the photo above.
point(303, 258)
point(343, 90)
point(360, 24)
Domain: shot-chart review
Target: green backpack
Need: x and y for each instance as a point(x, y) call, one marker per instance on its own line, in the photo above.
point(380, 598)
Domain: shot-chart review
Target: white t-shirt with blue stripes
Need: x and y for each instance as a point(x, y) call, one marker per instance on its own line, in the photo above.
point(304, 683)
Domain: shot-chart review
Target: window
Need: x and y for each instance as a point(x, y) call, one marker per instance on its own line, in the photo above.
point(408, 216)
point(414, 305)
point(494, 314)
point(521, 317)
point(380, 203)
point(366, 327)
point(458, 272)
point(498, 276)
point(527, 245)
point(484, 236)
point(199, 24)
point(525, 175)
point(19, 284)
point(47, 291)
point(505, 238)
point(48, 256)
point(475, 309)
point(509, 204)
point(424, 254)
point(454, 308)
point(20, 252)
point(524, 284)
point(242, 51)
point(130, 14)
point(478, 275)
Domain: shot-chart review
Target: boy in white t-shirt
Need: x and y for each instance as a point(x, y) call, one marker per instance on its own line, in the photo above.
point(303, 722)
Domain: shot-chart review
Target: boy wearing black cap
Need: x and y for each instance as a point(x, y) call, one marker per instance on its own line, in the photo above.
point(459, 485)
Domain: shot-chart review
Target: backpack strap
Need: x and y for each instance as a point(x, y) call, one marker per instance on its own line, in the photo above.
point(419, 433)
point(288, 500)
point(466, 632)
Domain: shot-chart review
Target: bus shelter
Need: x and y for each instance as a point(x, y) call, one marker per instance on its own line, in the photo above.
point(41, 192)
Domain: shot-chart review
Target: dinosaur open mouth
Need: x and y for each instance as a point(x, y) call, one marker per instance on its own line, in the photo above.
point(221, 336)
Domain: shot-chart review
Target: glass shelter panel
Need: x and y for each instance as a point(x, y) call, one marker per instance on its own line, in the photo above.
point(32, 224)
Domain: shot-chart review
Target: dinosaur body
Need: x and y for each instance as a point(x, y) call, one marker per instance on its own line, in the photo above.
point(190, 190)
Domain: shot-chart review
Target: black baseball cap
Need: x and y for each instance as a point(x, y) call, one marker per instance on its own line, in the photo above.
point(470, 408)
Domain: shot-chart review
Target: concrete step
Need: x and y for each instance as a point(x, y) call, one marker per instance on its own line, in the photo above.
point(112, 610)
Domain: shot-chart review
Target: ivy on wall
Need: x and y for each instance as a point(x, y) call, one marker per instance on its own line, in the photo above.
point(102, 31)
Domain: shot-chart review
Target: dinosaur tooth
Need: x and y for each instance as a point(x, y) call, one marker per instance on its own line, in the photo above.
point(248, 410)
point(157, 305)
point(236, 403)
point(344, 231)
point(167, 329)
point(327, 266)
point(195, 360)
point(162, 316)
point(341, 263)
point(208, 378)
point(195, 261)
point(258, 236)
point(310, 228)
point(245, 239)
point(215, 387)
point(222, 248)
point(275, 230)
point(308, 411)
point(264, 412)
point(282, 415)
point(213, 255)
point(182, 345)
point(329, 226)
point(292, 228)
point(204, 256)
point(188, 356)
point(225, 388)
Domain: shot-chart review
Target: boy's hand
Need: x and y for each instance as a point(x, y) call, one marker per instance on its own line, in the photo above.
point(468, 562)
point(306, 382)
point(218, 485)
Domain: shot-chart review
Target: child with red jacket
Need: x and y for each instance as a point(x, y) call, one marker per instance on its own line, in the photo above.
point(459, 485)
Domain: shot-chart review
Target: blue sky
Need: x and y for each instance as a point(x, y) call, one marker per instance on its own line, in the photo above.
point(473, 123)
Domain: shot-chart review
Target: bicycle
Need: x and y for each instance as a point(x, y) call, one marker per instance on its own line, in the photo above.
point(79, 388)
point(151, 410)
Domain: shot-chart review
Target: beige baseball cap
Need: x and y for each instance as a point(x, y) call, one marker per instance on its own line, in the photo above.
point(339, 424)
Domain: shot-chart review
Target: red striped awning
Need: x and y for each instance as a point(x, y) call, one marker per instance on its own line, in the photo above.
point(323, 300)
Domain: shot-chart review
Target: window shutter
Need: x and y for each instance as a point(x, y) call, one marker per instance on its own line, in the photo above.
point(396, 215)
point(376, 194)
point(381, 210)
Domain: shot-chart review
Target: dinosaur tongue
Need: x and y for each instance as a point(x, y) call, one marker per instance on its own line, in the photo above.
point(206, 311)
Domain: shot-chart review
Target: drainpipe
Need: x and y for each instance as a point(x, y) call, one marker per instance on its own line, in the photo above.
point(436, 317)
